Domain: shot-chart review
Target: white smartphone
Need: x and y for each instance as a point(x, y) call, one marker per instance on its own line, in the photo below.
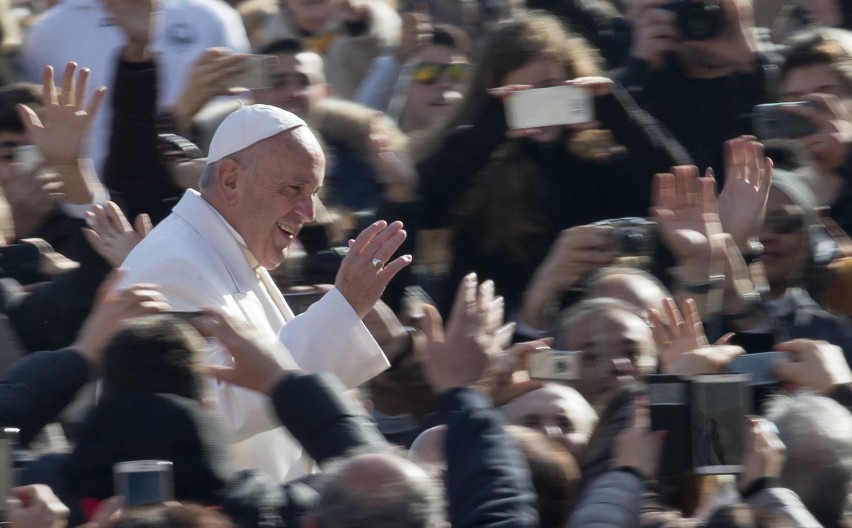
point(144, 482)
point(557, 365)
point(257, 73)
point(558, 105)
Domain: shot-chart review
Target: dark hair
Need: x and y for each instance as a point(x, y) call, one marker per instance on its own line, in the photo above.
point(819, 47)
point(452, 37)
point(13, 95)
point(291, 45)
point(155, 354)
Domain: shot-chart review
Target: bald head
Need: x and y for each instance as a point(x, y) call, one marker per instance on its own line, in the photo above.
point(381, 490)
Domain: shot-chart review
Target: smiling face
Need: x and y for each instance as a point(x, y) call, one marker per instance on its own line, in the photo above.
point(269, 192)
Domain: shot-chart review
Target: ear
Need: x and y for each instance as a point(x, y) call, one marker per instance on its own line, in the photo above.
point(309, 521)
point(228, 176)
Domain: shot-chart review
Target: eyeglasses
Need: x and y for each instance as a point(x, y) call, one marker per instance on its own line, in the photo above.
point(783, 225)
point(430, 72)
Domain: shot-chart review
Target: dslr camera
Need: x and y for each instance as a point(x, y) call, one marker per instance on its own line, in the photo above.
point(633, 239)
point(697, 19)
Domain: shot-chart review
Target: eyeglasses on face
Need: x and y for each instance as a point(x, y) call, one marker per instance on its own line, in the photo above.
point(783, 225)
point(430, 72)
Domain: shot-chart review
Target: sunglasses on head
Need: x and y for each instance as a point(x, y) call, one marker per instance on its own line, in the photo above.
point(430, 72)
point(783, 225)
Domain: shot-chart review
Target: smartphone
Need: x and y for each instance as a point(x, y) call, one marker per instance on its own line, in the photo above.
point(720, 404)
point(771, 121)
point(144, 482)
point(555, 365)
point(257, 73)
point(20, 262)
point(558, 105)
point(758, 366)
point(28, 156)
point(669, 409)
point(8, 442)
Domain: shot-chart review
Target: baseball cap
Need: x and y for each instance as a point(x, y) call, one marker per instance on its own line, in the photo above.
point(247, 125)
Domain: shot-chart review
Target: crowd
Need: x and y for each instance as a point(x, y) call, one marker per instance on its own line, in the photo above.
point(298, 263)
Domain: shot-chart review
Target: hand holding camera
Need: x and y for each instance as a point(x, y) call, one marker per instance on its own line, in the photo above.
point(764, 453)
point(830, 144)
point(817, 365)
point(638, 447)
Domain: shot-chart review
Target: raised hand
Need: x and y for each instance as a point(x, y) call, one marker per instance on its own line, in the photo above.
point(111, 235)
point(31, 194)
point(61, 134)
point(830, 145)
point(655, 32)
point(748, 178)
point(367, 269)
point(459, 355)
point(816, 365)
point(257, 365)
point(764, 454)
point(686, 213)
point(36, 506)
point(206, 81)
point(682, 345)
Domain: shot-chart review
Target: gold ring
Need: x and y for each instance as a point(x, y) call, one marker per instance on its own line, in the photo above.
point(377, 263)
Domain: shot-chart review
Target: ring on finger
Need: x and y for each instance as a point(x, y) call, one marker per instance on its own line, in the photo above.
point(377, 263)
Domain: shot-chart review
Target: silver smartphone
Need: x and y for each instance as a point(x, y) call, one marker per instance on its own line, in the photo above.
point(257, 73)
point(144, 482)
point(758, 366)
point(771, 121)
point(540, 107)
point(555, 365)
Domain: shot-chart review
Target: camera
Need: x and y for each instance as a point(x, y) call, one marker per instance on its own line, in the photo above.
point(633, 238)
point(697, 19)
point(555, 365)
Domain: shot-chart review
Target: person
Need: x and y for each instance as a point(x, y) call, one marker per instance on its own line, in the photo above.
point(682, 81)
point(557, 411)
point(83, 31)
point(257, 190)
point(816, 69)
point(507, 198)
point(347, 34)
point(816, 431)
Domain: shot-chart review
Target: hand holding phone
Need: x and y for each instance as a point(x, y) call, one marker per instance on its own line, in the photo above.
point(773, 121)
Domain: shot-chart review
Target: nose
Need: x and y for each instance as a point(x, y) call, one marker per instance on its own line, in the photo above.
point(307, 209)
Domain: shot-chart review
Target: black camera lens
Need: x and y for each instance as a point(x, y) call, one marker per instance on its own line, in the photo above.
point(697, 19)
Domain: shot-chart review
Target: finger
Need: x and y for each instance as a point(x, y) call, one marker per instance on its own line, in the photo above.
point(692, 322)
point(221, 373)
point(389, 271)
point(503, 336)
point(465, 302)
point(82, 88)
point(725, 339)
point(494, 315)
point(673, 315)
point(116, 218)
point(708, 194)
point(385, 244)
point(49, 89)
point(143, 225)
point(432, 326)
point(357, 246)
point(95, 103)
point(66, 94)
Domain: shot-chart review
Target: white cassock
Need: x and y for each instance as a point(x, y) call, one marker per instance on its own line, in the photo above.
point(199, 260)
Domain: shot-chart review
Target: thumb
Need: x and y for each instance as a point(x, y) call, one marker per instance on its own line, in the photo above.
point(143, 224)
point(221, 373)
point(433, 326)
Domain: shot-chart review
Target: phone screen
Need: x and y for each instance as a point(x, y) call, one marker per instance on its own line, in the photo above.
point(719, 406)
point(144, 482)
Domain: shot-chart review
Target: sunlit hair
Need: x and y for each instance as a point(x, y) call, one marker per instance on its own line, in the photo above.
point(821, 46)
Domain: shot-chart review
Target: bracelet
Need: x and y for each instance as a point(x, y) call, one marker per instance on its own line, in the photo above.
point(713, 281)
